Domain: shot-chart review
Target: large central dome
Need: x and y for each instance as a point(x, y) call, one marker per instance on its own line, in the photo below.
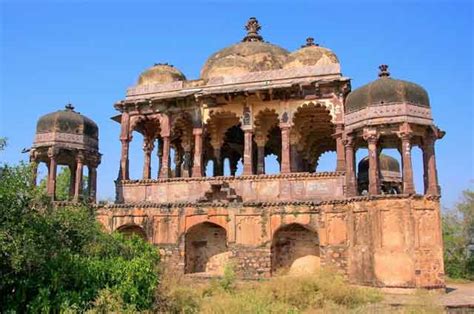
point(251, 55)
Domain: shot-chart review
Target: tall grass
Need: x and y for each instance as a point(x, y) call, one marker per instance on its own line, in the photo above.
point(285, 294)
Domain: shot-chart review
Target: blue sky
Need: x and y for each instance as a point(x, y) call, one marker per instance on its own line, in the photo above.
point(89, 52)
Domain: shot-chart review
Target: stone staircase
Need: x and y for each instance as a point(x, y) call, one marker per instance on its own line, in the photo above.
point(220, 192)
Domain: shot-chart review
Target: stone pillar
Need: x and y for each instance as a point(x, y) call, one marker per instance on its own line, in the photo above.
point(159, 154)
point(218, 163)
point(341, 161)
point(430, 161)
point(178, 160)
point(351, 182)
point(260, 155)
point(197, 163)
point(125, 139)
point(78, 185)
point(92, 184)
point(72, 181)
point(248, 144)
point(372, 136)
point(407, 170)
point(51, 188)
point(147, 149)
point(285, 149)
point(165, 160)
point(34, 166)
point(233, 165)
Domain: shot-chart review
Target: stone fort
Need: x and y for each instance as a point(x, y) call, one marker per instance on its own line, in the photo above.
point(254, 99)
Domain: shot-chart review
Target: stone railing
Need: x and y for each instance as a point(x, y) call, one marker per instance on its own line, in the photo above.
point(258, 188)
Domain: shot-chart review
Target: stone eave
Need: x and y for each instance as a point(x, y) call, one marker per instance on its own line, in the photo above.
point(314, 204)
point(254, 81)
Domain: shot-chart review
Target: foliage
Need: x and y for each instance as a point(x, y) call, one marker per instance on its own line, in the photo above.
point(458, 233)
point(63, 179)
point(59, 259)
point(285, 294)
point(3, 143)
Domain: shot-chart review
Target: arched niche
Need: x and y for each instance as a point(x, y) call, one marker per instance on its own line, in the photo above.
point(206, 249)
point(295, 248)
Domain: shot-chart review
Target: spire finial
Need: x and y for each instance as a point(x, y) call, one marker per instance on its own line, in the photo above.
point(310, 42)
point(69, 107)
point(383, 70)
point(252, 28)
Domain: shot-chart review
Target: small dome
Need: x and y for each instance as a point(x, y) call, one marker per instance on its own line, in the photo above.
point(389, 168)
point(251, 55)
point(160, 73)
point(310, 54)
point(67, 121)
point(386, 91)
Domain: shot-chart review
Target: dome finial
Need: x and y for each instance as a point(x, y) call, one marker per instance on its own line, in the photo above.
point(384, 71)
point(310, 42)
point(69, 107)
point(252, 28)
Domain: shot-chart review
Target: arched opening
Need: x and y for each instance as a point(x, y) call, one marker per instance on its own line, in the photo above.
point(326, 162)
point(390, 171)
point(295, 248)
point(226, 140)
point(206, 249)
point(182, 142)
point(132, 230)
point(210, 168)
point(267, 142)
point(314, 129)
point(417, 166)
point(141, 147)
point(362, 164)
point(272, 165)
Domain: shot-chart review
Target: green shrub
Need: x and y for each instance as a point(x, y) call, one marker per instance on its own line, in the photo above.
point(59, 259)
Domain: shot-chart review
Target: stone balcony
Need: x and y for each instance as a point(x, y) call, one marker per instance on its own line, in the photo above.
point(319, 186)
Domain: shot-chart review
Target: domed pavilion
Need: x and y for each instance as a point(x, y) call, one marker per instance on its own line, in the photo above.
point(66, 137)
point(232, 166)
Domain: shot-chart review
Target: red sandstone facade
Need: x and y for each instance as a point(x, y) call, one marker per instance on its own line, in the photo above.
point(254, 99)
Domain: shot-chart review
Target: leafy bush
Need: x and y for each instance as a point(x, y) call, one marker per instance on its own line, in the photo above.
point(458, 233)
point(59, 259)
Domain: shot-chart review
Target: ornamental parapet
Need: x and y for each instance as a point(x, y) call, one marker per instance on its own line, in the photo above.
point(248, 188)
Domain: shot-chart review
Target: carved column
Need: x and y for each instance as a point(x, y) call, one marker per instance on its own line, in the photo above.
point(72, 181)
point(341, 161)
point(159, 154)
point(372, 136)
point(248, 144)
point(285, 149)
point(351, 182)
point(260, 141)
point(34, 166)
point(165, 160)
point(430, 165)
point(148, 147)
point(197, 163)
point(294, 154)
point(178, 160)
point(125, 139)
point(79, 168)
point(407, 170)
point(92, 183)
point(218, 164)
point(51, 188)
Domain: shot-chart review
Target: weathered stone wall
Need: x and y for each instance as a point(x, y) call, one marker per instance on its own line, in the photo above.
point(258, 188)
point(387, 241)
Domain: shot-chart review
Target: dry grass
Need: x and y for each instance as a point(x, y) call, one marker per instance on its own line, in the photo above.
point(326, 292)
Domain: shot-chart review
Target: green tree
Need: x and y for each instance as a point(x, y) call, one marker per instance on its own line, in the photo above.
point(52, 259)
point(458, 232)
point(63, 184)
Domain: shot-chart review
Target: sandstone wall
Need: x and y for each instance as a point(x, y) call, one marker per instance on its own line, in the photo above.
point(387, 241)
